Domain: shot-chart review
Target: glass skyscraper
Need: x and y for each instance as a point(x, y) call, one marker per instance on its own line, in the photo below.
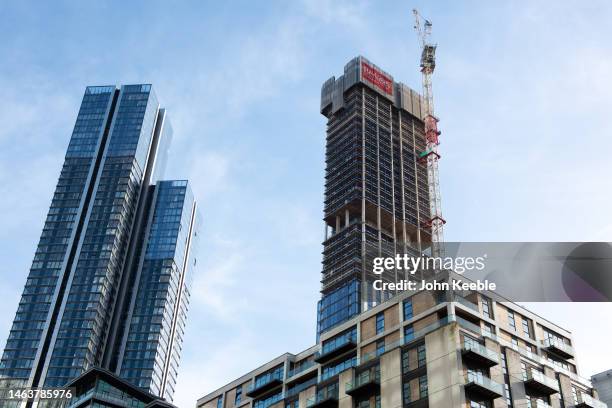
point(109, 284)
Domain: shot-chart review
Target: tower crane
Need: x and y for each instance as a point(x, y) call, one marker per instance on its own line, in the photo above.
point(430, 155)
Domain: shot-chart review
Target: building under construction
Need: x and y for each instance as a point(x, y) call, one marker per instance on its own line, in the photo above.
point(436, 349)
point(376, 188)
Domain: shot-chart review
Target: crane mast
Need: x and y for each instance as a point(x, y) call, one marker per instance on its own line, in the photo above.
point(430, 155)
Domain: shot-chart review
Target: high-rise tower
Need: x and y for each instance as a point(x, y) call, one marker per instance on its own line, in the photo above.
point(421, 348)
point(376, 188)
point(112, 262)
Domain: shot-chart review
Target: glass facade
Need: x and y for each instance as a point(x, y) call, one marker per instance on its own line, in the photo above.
point(85, 258)
point(53, 254)
point(338, 306)
point(89, 303)
point(157, 322)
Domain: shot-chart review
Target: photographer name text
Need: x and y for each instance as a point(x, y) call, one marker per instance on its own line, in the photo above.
point(434, 285)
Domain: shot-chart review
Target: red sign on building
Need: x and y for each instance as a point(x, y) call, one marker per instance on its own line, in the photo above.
point(377, 78)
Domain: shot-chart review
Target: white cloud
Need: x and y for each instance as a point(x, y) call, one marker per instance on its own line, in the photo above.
point(215, 286)
point(341, 13)
point(209, 173)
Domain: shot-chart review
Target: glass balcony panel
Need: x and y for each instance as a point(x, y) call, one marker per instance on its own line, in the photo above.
point(540, 382)
point(585, 400)
point(478, 383)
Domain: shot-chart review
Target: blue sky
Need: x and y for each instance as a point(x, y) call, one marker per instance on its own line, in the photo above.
point(522, 90)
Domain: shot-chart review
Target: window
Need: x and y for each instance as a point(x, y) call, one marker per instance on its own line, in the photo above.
point(486, 307)
point(365, 403)
point(526, 327)
point(336, 368)
point(514, 341)
point(380, 323)
point(408, 312)
point(507, 394)
point(554, 338)
point(220, 402)
point(524, 371)
point(470, 341)
point(423, 386)
point(405, 361)
point(408, 333)
point(511, 321)
point(238, 395)
point(380, 347)
point(406, 392)
point(267, 401)
point(487, 330)
point(575, 394)
point(561, 363)
point(421, 355)
point(480, 404)
point(475, 375)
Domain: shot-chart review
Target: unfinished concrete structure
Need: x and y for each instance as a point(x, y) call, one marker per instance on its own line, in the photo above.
point(376, 194)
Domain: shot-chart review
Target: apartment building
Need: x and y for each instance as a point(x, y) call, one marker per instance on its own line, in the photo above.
point(109, 283)
point(603, 384)
point(423, 349)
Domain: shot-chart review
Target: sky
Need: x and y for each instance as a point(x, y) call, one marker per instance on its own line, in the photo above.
point(521, 89)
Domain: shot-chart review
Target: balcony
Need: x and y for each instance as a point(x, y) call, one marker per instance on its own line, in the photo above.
point(364, 384)
point(538, 382)
point(483, 386)
point(420, 403)
point(479, 354)
point(324, 399)
point(300, 369)
point(328, 353)
point(586, 401)
point(538, 403)
point(264, 384)
point(558, 348)
point(464, 302)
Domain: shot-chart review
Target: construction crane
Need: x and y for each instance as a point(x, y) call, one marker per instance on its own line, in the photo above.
point(430, 155)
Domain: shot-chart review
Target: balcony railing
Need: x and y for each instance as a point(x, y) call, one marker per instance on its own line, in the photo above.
point(540, 382)
point(296, 389)
point(480, 354)
point(339, 347)
point(264, 384)
point(364, 383)
point(463, 301)
point(483, 386)
point(587, 401)
point(302, 367)
point(416, 335)
point(559, 348)
point(538, 403)
point(324, 398)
